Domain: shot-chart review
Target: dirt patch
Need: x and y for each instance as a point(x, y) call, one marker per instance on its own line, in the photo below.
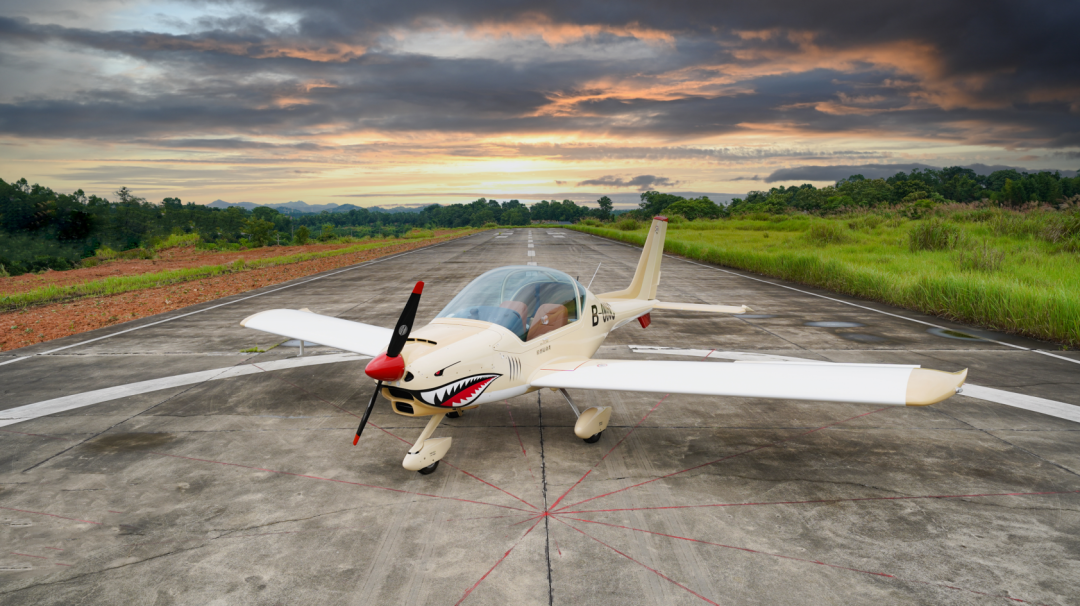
point(173, 258)
point(48, 322)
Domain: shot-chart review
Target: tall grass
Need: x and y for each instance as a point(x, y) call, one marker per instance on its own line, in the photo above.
point(121, 284)
point(1031, 291)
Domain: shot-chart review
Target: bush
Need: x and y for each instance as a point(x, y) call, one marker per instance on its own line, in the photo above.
point(866, 222)
point(935, 234)
point(676, 219)
point(179, 241)
point(628, 225)
point(24, 254)
point(823, 233)
point(302, 235)
point(984, 258)
point(490, 225)
point(591, 222)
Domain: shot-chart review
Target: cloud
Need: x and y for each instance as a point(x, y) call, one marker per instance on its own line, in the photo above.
point(641, 182)
point(754, 178)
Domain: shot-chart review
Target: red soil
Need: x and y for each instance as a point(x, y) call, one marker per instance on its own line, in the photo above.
point(173, 258)
point(47, 322)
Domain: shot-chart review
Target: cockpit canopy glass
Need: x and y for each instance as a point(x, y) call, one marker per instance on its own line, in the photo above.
point(527, 301)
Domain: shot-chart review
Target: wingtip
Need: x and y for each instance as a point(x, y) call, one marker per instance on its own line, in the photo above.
point(927, 386)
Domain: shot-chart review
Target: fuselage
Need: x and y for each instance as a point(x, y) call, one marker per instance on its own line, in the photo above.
point(457, 363)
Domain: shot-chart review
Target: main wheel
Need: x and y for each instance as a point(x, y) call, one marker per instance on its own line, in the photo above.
point(430, 468)
point(593, 439)
point(455, 414)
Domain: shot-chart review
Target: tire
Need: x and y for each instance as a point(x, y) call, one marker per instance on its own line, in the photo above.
point(593, 439)
point(455, 414)
point(429, 469)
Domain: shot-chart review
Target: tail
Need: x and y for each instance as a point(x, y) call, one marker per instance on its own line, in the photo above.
point(647, 276)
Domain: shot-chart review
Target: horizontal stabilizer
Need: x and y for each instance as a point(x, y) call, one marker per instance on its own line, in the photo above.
point(718, 309)
point(865, 384)
point(325, 330)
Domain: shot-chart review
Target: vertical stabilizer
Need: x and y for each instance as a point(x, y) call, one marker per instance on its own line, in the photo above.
point(647, 276)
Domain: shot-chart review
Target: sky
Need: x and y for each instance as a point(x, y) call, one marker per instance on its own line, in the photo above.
point(422, 101)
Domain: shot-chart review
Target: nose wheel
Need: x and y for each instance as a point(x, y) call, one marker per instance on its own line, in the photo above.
point(454, 414)
point(429, 469)
point(593, 439)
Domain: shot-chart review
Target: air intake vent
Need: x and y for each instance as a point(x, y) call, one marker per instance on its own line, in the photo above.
point(404, 408)
point(397, 392)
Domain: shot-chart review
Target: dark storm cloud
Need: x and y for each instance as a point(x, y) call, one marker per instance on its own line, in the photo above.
point(641, 182)
point(872, 171)
point(1000, 74)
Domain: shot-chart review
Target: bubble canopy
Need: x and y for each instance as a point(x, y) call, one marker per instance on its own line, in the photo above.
point(526, 300)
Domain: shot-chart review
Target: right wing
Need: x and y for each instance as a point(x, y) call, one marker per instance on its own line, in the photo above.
point(860, 383)
point(325, 330)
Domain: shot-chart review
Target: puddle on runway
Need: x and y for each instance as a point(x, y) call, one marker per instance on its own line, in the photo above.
point(953, 334)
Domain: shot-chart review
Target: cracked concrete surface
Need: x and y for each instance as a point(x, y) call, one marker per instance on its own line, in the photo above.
point(248, 490)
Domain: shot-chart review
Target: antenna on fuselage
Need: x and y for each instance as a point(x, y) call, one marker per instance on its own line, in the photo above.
point(593, 276)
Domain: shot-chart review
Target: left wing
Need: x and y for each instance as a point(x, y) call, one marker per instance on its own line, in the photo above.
point(860, 383)
point(325, 330)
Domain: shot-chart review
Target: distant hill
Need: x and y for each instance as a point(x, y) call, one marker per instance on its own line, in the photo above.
point(300, 207)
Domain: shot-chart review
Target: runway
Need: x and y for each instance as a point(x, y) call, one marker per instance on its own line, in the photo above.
point(153, 462)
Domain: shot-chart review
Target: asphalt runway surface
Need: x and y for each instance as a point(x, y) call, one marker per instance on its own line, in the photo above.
point(154, 463)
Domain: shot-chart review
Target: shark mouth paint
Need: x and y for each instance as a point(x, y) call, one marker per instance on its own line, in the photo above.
point(458, 393)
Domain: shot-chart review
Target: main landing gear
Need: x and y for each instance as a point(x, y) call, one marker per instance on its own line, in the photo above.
point(591, 423)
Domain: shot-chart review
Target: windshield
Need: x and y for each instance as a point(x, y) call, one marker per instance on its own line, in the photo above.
point(527, 301)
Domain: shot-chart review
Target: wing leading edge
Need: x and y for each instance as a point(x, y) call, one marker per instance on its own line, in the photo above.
point(858, 383)
point(325, 330)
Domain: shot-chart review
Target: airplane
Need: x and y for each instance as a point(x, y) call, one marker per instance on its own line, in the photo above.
point(518, 329)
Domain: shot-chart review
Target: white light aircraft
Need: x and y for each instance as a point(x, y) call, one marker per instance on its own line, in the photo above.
point(518, 329)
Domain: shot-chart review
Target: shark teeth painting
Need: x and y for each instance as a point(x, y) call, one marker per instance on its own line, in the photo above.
point(458, 393)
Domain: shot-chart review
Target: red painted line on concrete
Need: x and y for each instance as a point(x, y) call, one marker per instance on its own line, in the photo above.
point(492, 485)
point(633, 428)
point(797, 559)
point(477, 584)
point(738, 454)
point(52, 515)
point(552, 508)
point(361, 484)
point(397, 436)
point(36, 435)
point(29, 556)
point(649, 568)
point(851, 500)
point(516, 432)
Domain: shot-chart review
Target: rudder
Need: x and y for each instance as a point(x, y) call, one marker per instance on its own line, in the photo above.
point(647, 275)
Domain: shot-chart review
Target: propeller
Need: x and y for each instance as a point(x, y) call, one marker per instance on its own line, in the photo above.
point(390, 366)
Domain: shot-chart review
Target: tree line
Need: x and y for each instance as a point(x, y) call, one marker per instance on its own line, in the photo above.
point(42, 229)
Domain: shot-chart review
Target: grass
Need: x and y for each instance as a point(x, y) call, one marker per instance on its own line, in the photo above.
point(122, 284)
point(1022, 278)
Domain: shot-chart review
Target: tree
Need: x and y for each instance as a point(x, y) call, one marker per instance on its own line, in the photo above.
point(260, 232)
point(302, 235)
point(327, 233)
point(606, 205)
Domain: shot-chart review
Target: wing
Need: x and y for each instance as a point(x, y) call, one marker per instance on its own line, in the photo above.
point(324, 330)
point(860, 383)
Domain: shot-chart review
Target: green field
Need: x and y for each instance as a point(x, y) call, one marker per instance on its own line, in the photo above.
point(1009, 271)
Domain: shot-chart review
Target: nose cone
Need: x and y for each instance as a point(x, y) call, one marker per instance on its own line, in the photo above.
point(386, 369)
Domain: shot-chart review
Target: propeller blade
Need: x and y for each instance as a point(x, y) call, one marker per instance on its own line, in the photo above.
point(405, 322)
point(367, 413)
